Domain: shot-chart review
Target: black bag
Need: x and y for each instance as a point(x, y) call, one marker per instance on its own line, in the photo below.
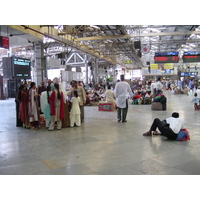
point(163, 100)
point(164, 106)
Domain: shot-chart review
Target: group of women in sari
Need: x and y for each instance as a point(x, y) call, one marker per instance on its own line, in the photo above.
point(51, 105)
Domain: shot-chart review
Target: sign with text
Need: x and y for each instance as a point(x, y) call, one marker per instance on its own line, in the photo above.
point(153, 66)
point(168, 66)
point(192, 56)
point(166, 57)
point(127, 61)
point(22, 68)
point(4, 42)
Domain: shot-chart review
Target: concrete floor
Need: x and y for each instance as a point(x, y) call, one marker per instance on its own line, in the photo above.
point(101, 146)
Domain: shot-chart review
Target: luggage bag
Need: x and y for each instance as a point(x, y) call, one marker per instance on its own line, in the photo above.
point(156, 106)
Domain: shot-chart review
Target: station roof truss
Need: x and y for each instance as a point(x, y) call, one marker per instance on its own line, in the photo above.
point(113, 44)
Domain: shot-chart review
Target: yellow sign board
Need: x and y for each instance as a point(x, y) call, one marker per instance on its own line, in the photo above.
point(153, 66)
point(128, 61)
point(168, 66)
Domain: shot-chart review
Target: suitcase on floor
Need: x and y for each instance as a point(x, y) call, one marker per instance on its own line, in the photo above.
point(156, 106)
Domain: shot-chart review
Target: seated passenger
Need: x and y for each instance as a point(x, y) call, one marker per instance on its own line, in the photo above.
point(95, 97)
point(87, 99)
point(169, 127)
point(137, 95)
point(101, 91)
point(148, 94)
point(109, 95)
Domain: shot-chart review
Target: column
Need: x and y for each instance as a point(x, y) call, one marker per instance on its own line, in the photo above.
point(39, 67)
point(96, 71)
point(86, 69)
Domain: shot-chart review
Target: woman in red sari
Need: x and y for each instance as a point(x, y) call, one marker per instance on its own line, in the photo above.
point(56, 101)
point(23, 107)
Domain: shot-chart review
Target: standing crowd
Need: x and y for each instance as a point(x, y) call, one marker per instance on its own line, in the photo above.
point(66, 109)
point(59, 108)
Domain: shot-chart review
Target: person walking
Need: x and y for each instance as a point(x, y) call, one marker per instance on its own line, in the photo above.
point(179, 84)
point(56, 101)
point(196, 100)
point(122, 93)
point(75, 117)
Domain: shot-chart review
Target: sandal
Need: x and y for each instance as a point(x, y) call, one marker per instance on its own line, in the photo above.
point(156, 133)
point(147, 134)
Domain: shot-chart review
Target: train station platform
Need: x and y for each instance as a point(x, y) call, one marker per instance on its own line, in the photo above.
point(101, 146)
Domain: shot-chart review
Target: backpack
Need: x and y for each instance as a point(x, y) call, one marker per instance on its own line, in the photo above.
point(183, 135)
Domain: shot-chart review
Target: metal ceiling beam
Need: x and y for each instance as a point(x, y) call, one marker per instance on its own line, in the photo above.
point(172, 42)
point(51, 32)
point(28, 31)
point(109, 37)
point(148, 42)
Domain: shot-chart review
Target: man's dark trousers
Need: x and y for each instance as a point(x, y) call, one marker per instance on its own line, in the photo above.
point(122, 112)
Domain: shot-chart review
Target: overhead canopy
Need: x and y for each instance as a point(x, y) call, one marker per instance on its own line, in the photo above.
point(115, 44)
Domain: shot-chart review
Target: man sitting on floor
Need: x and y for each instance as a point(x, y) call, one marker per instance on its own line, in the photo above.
point(168, 128)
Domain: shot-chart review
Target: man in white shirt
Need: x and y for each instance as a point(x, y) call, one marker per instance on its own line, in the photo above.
point(198, 91)
point(122, 93)
point(110, 96)
point(159, 86)
point(169, 127)
point(153, 89)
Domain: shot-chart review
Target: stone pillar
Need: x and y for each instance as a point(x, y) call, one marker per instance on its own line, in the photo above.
point(97, 71)
point(86, 69)
point(38, 68)
point(10, 52)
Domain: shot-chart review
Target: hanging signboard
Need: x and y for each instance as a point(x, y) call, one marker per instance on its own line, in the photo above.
point(4, 42)
point(168, 66)
point(153, 66)
point(192, 56)
point(22, 68)
point(127, 61)
point(166, 57)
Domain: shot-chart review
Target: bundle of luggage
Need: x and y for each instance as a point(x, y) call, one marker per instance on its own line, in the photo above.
point(139, 98)
point(159, 102)
point(104, 106)
point(147, 100)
